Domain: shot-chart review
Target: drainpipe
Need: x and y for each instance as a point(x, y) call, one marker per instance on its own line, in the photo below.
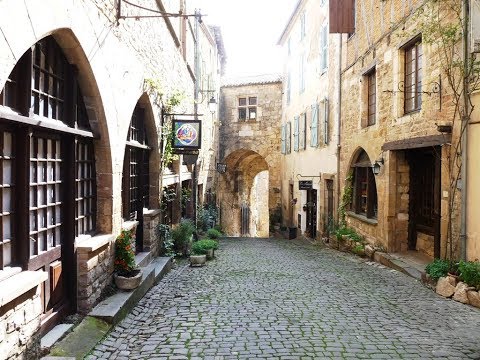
point(339, 118)
point(464, 127)
point(195, 110)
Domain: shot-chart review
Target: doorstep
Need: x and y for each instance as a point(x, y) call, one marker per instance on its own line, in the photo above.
point(78, 343)
point(411, 263)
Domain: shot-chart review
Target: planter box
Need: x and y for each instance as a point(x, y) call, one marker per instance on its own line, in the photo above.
point(198, 260)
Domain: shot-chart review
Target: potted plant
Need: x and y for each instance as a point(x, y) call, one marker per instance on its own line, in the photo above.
point(208, 246)
point(127, 275)
point(199, 254)
point(182, 236)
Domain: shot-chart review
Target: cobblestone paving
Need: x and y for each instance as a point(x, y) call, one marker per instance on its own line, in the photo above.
point(278, 299)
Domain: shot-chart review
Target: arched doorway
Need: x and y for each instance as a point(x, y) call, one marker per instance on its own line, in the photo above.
point(364, 187)
point(244, 195)
point(49, 171)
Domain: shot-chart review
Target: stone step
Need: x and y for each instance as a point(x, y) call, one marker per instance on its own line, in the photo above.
point(107, 313)
point(142, 259)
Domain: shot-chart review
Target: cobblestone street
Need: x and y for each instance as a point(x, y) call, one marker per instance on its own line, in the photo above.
point(279, 299)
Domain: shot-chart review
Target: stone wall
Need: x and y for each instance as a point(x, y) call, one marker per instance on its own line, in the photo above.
point(379, 44)
point(248, 148)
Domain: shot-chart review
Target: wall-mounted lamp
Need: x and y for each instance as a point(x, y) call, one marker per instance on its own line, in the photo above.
point(221, 168)
point(212, 105)
point(377, 165)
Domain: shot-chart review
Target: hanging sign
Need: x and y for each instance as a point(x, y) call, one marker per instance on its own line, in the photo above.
point(305, 184)
point(187, 135)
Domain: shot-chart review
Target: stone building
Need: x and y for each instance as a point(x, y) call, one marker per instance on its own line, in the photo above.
point(309, 126)
point(249, 188)
point(394, 154)
point(82, 105)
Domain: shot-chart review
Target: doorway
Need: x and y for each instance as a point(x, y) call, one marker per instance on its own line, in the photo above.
point(312, 213)
point(424, 195)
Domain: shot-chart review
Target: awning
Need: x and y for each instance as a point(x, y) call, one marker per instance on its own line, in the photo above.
point(417, 142)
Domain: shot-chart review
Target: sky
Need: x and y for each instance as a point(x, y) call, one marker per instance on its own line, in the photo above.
point(251, 30)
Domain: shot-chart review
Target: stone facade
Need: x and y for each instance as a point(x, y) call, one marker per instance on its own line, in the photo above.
point(117, 61)
point(310, 95)
point(250, 148)
point(397, 136)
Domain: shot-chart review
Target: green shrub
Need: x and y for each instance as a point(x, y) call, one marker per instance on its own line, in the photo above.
point(351, 233)
point(165, 240)
point(181, 236)
point(359, 249)
point(201, 247)
point(469, 272)
point(438, 268)
point(213, 233)
point(218, 227)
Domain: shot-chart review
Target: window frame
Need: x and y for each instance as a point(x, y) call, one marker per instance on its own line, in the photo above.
point(248, 108)
point(371, 103)
point(365, 197)
point(412, 76)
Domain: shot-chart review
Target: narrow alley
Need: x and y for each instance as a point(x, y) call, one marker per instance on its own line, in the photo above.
point(280, 299)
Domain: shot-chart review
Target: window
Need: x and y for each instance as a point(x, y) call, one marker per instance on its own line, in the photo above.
point(136, 179)
point(61, 204)
point(247, 111)
point(302, 25)
point(371, 97)
point(323, 48)
point(302, 73)
point(364, 187)
point(413, 77)
point(303, 131)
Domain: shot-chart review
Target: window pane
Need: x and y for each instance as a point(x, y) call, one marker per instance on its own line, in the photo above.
point(252, 101)
point(242, 114)
point(242, 101)
point(252, 113)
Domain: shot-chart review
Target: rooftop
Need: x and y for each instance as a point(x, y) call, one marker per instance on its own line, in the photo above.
point(251, 80)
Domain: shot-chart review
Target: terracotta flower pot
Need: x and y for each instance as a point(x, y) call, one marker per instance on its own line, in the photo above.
point(128, 283)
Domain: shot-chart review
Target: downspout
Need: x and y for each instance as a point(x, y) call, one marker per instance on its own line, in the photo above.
point(195, 109)
point(339, 118)
point(464, 128)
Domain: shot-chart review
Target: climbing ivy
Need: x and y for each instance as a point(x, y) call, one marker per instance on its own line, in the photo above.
point(346, 200)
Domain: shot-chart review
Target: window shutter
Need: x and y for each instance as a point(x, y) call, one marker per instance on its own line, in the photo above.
point(314, 127)
point(326, 135)
point(289, 137)
point(303, 131)
point(295, 133)
point(342, 16)
point(284, 148)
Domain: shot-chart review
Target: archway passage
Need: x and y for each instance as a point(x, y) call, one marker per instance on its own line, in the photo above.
point(244, 195)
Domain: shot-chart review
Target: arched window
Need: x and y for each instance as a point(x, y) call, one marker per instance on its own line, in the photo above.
point(47, 164)
point(136, 170)
point(364, 200)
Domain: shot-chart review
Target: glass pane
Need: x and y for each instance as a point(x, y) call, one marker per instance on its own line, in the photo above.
point(7, 144)
point(7, 230)
point(252, 101)
point(7, 254)
point(242, 114)
point(7, 200)
point(7, 171)
point(252, 113)
point(242, 101)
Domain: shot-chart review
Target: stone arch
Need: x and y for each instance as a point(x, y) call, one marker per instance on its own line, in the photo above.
point(364, 185)
point(245, 185)
point(73, 51)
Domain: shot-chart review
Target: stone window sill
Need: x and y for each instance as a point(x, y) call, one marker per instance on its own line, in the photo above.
point(19, 284)
point(362, 218)
point(92, 243)
point(129, 225)
point(151, 212)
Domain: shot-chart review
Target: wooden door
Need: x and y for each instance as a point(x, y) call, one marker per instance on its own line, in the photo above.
point(312, 213)
point(424, 206)
point(329, 207)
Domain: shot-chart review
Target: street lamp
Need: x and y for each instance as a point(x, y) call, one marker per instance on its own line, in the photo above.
point(212, 105)
point(377, 165)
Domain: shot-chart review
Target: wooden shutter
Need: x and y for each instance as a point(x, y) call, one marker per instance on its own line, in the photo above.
point(284, 148)
point(295, 133)
point(289, 137)
point(303, 131)
point(325, 116)
point(342, 16)
point(314, 127)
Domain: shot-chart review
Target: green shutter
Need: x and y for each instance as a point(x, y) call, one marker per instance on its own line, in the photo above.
point(314, 127)
point(295, 133)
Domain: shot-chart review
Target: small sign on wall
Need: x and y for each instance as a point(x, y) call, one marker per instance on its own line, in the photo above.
point(305, 184)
